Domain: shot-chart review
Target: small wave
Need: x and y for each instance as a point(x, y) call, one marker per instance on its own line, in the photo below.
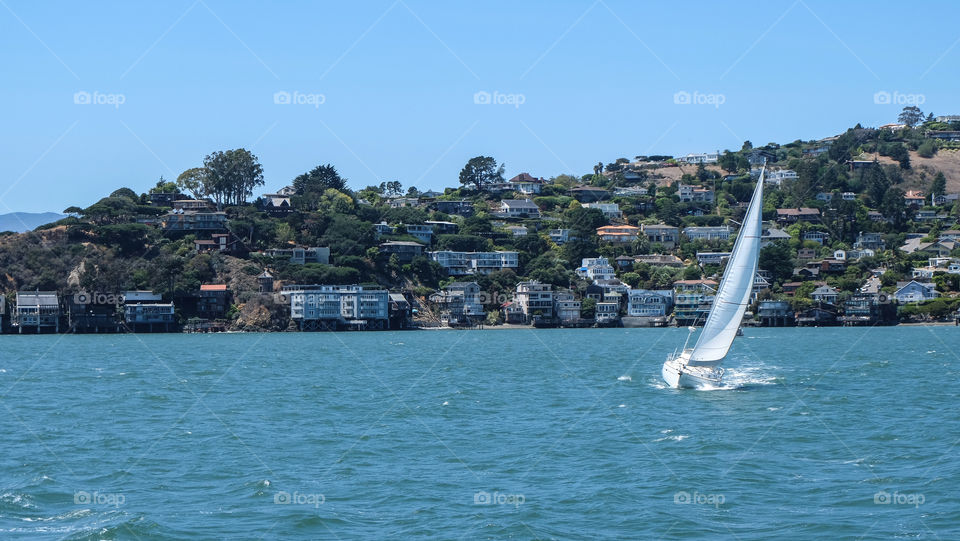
point(622, 406)
point(678, 437)
point(624, 378)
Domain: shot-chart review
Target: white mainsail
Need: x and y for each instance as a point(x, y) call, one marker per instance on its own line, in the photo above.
point(733, 296)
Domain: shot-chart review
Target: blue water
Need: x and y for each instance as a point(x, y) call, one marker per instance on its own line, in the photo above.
point(549, 434)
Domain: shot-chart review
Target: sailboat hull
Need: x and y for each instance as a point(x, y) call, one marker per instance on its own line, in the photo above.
point(681, 376)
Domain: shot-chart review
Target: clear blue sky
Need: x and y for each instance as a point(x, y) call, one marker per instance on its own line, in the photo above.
point(398, 80)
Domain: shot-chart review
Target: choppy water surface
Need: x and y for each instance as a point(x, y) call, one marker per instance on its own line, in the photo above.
point(547, 434)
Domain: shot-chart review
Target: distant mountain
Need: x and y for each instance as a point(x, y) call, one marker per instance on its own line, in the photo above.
point(27, 221)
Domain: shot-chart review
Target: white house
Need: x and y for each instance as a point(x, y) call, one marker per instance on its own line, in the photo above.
point(707, 233)
point(466, 263)
point(519, 208)
point(596, 268)
point(706, 157)
point(914, 291)
point(609, 210)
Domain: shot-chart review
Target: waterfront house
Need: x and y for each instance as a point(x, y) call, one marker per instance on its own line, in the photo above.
point(399, 311)
point(775, 313)
point(607, 313)
point(334, 307)
point(470, 263)
point(512, 313)
point(37, 312)
point(648, 303)
point(567, 308)
point(692, 300)
point(519, 208)
point(214, 301)
point(707, 233)
point(618, 234)
point(823, 315)
point(460, 303)
point(825, 294)
point(87, 315)
point(665, 235)
point(404, 250)
point(145, 311)
point(914, 291)
point(535, 300)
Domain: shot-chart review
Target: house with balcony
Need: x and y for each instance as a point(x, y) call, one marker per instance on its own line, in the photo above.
point(404, 250)
point(519, 208)
point(526, 184)
point(459, 303)
point(665, 235)
point(825, 294)
point(778, 177)
point(802, 214)
point(587, 194)
point(382, 229)
point(567, 308)
point(87, 316)
point(694, 194)
point(461, 207)
point(659, 260)
point(37, 312)
point(337, 307)
point(868, 240)
point(692, 300)
point(301, 255)
point(607, 313)
point(213, 301)
point(441, 227)
point(145, 311)
point(707, 233)
point(914, 291)
point(472, 263)
point(712, 258)
point(194, 220)
point(535, 300)
point(775, 313)
point(649, 303)
point(422, 232)
point(618, 234)
point(820, 237)
point(596, 268)
point(698, 158)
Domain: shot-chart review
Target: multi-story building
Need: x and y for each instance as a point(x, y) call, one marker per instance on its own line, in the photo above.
point(567, 308)
point(618, 234)
point(460, 303)
point(692, 300)
point(214, 301)
point(596, 268)
point(535, 299)
point(468, 263)
point(332, 307)
point(194, 220)
point(648, 303)
point(694, 194)
point(37, 311)
point(404, 250)
point(300, 256)
point(707, 233)
point(519, 208)
point(422, 232)
point(666, 235)
point(146, 311)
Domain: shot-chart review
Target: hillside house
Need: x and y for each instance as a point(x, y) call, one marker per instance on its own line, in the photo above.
point(618, 234)
point(404, 250)
point(802, 214)
point(707, 233)
point(666, 235)
point(471, 263)
point(519, 208)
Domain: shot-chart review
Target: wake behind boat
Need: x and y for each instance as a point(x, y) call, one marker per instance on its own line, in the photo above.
point(699, 366)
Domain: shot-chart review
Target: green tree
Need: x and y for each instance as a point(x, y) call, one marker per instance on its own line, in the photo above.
point(480, 172)
point(194, 181)
point(233, 174)
point(318, 180)
point(776, 258)
point(939, 184)
point(911, 116)
point(588, 308)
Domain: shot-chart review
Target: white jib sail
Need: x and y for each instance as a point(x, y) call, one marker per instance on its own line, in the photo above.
point(733, 296)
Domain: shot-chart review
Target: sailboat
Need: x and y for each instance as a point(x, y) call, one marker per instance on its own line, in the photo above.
point(699, 366)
